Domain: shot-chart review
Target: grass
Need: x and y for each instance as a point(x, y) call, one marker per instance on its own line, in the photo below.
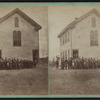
point(24, 81)
point(75, 82)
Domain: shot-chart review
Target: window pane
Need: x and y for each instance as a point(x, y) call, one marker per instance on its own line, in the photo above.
point(94, 38)
point(17, 38)
point(19, 35)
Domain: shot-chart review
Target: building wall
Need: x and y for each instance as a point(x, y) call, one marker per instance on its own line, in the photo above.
point(66, 46)
point(81, 37)
point(29, 38)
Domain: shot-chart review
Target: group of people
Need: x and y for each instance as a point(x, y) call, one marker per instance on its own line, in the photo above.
point(13, 63)
point(79, 63)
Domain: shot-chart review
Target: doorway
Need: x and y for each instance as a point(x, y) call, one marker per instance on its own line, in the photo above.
point(35, 54)
point(75, 54)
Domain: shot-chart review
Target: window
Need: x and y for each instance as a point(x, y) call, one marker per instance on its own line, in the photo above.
point(93, 22)
point(61, 41)
point(16, 38)
point(16, 22)
point(91, 38)
point(68, 53)
point(94, 38)
point(63, 55)
point(68, 36)
point(65, 39)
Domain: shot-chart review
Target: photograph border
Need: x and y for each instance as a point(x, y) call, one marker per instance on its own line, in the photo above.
point(49, 4)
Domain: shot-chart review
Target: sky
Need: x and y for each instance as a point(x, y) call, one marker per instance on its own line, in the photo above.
point(58, 18)
point(39, 15)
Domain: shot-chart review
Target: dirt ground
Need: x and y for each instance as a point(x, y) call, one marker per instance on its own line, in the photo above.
point(24, 81)
point(75, 82)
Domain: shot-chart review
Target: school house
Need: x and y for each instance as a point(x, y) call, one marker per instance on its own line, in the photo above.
point(19, 36)
point(81, 38)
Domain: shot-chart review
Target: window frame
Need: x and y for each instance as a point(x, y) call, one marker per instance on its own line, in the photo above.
point(16, 38)
point(94, 38)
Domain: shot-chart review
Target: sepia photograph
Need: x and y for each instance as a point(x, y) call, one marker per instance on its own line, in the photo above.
point(74, 50)
point(23, 50)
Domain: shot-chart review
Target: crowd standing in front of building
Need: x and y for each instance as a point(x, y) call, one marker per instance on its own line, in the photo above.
point(13, 63)
point(79, 63)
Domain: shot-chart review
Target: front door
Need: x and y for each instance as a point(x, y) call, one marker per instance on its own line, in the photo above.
point(75, 54)
point(35, 54)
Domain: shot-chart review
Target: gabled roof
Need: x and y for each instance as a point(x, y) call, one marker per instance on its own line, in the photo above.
point(18, 11)
point(71, 25)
